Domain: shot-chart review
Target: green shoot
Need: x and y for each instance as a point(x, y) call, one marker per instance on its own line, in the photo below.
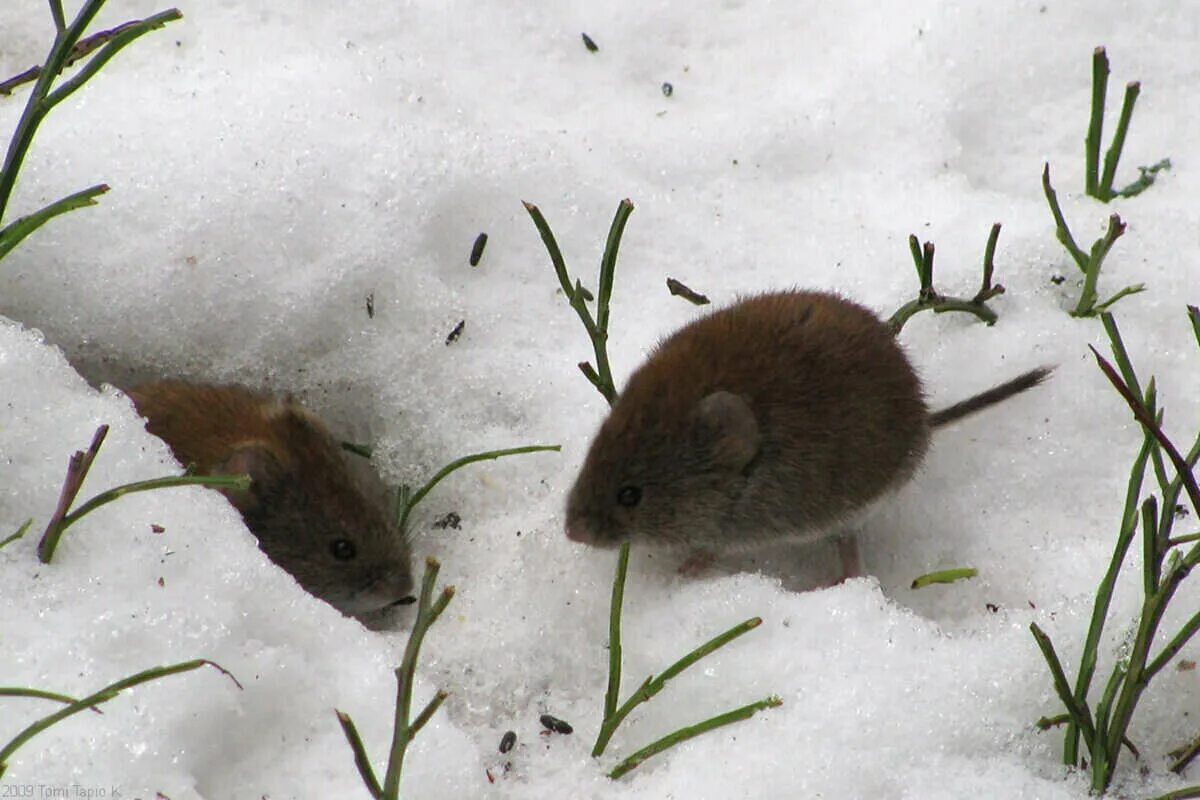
point(929, 299)
point(20, 532)
point(944, 576)
point(77, 471)
point(601, 377)
point(44, 96)
point(1097, 185)
point(407, 499)
point(73, 706)
point(1089, 263)
point(1103, 728)
point(683, 734)
point(403, 730)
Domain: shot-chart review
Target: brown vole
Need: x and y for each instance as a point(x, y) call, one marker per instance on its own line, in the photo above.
point(310, 514)
point(775, 418)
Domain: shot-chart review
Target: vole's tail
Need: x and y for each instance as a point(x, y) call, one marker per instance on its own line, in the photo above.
point(990, 397)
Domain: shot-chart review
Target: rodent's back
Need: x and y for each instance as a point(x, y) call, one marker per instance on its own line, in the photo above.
point(836, 414)
point(309, 513)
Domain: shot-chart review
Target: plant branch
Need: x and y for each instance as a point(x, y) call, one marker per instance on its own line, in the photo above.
point(14, 233)
point(405, 507)
point(102, 696)
point(692, 731)
point(361, 760)
point(21, 531)
point(428, 611)
point(653, 685)
point(77, 471)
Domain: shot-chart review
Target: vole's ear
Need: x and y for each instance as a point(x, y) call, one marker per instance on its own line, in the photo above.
point(258, 460)
point(728, 429)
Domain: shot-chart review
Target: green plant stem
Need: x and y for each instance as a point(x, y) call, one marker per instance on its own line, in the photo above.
point(1061, 231)
point(1091, 275)
point(20, 532)
point(1113, 155)
point(102, 696)
point(430, 709)
point(943, 576)
point(1146, 178)
point(40, 694)
point(1096, 122)
point(683, 734)
point(235, 482)
point(653, 685)
point(40, 99)
point(361, 760)
point(56, 11)
point(1104, 593)
point(929, 299)
point(406, 507)
point(1151, 557)
point(1182, 756)
point(1078, 711)
point(600, 375)
point(1180, 794)
point(613, 695)
point(82, 48)
point(1121, 355)
point(13, 234)
point(130, 32)
point(77, 470)
point(360, 450)
point(1151, 425)
point(986, 289)
point(428, 612)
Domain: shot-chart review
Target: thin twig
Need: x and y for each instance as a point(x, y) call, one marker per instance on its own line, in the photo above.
point(929, 299)
point(612, 695)
point(77, 469)
point(406, 507)
point(102, 696)
point(653, 685)
point(1118, 143)
point(20, 532)
point(40, 694)
point(1095, 121)
point(428, 611)
point(1149, 423)
point(1061, 231)
point(692, 731)
point(361, 760)
point(82, 48)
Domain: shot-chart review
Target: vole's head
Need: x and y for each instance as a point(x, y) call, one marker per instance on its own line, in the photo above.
point(317, 520)
point(664, 469)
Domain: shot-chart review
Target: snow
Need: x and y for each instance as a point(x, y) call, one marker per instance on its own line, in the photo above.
point(272, 165)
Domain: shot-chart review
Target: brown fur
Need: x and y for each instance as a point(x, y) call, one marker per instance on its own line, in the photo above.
point(303, 498)
point(776, 417)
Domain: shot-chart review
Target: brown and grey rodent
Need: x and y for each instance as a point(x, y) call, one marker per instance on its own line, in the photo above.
point(311, 515)
point(775, 418)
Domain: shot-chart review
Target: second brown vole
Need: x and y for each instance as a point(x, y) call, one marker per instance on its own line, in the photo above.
point(775, 418)
point(311, 516)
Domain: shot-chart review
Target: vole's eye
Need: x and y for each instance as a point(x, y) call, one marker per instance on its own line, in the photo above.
point(342, 549)
point(629, 496)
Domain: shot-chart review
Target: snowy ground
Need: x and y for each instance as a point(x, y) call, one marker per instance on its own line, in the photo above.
point(273, 164)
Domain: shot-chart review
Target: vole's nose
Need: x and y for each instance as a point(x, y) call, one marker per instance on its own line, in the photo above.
point(578, 531)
